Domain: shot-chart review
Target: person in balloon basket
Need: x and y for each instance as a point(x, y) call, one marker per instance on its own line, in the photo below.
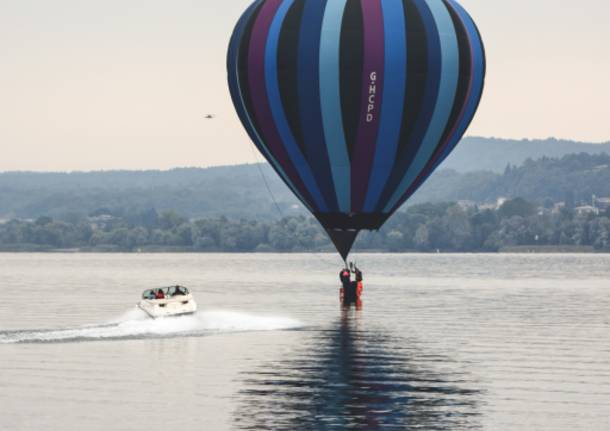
point(345, 277)
point(351, 291)
point(358, 285)
point(359, 278)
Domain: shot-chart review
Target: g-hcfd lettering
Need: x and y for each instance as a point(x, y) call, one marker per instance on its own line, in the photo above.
point(372, 99)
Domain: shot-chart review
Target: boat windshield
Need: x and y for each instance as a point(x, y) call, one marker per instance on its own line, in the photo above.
point(148, 294)
point(167, 292)
point(177, 291)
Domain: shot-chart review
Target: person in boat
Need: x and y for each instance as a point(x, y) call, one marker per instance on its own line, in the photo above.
point(159, 294)
point(178, 291)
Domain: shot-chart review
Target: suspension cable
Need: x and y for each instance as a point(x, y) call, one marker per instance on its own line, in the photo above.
point(277, 206)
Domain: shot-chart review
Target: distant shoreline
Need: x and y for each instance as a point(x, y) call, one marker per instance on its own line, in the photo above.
point(509, 226)
point(181, 250)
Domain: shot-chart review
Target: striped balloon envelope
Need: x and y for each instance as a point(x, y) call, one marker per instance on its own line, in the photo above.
point(355, 103)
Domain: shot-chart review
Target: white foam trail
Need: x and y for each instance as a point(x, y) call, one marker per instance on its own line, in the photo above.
point(134, 324)
point(134, 314)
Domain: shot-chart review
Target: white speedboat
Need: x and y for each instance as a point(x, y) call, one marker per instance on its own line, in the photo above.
point(168, 302)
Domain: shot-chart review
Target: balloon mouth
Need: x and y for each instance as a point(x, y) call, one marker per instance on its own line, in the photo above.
point(343, 240)
point(354, 221)
point(343, 229)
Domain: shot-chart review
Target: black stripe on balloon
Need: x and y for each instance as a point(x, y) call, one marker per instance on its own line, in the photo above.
point(470, 72)
point(288, 60)
point(417, 72)
point(417, 75)
point(465, 75)
point(464, 78)
point(351, 65)
point(242, 65)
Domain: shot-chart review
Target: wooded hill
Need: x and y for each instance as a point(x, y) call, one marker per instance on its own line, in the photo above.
point(241, 191)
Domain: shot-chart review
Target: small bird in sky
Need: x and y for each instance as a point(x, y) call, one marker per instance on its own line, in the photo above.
point(209, 117)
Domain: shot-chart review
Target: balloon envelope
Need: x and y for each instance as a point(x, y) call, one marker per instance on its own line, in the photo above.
point(355, 103)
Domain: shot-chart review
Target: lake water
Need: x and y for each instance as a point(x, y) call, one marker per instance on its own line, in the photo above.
point(443, 342)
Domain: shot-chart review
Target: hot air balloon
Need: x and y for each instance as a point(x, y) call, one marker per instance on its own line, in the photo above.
point(355, 103)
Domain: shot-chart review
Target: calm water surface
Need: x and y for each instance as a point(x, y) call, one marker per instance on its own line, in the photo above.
point(444, 342)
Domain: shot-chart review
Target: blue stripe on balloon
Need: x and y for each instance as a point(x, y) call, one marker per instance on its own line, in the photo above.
point(277, 109)
point(395, 78)
point(478, 72)
point(309, 99)
point(447, 89)
point(235, 88)
point(477, 58)
point(330, 94)
point(428, 103)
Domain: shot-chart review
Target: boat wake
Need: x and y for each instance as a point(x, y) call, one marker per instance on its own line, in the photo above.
point(136, 325)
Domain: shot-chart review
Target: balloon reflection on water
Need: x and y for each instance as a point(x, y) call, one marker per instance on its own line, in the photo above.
point(349, 377)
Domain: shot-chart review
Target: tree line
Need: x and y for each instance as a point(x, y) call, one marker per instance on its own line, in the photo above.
point(447, 227)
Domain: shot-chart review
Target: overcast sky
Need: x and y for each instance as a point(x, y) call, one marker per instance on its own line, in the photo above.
point(105, 84)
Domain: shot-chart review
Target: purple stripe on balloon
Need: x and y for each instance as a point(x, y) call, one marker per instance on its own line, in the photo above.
point(258, 95)
point(372, 90)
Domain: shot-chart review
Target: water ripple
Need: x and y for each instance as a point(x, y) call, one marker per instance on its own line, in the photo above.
point(349, 377)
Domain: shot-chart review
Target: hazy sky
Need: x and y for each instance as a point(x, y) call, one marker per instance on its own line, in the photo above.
point(103, 84)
